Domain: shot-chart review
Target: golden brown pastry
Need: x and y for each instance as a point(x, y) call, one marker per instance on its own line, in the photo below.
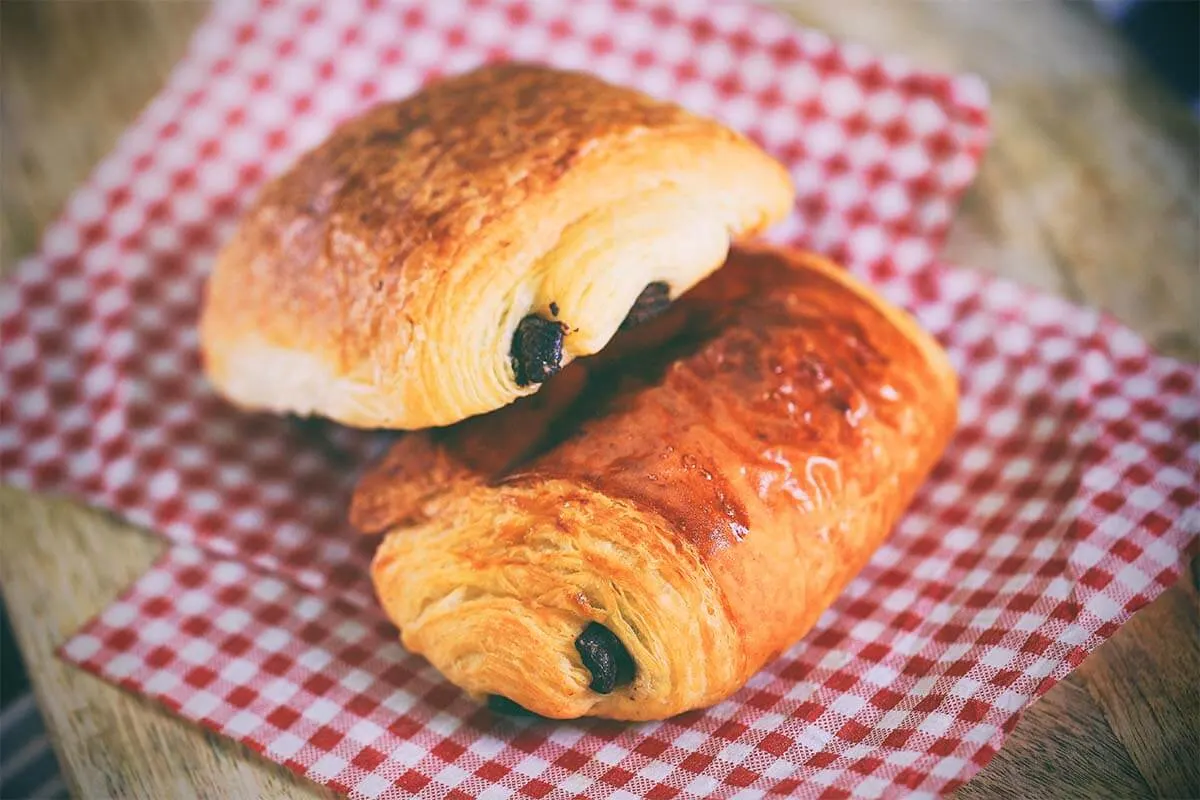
point(672, 520)
point(438, 257)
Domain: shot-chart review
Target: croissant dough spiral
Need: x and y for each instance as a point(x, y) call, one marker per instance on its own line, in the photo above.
point(381, 280)
point(705, 502)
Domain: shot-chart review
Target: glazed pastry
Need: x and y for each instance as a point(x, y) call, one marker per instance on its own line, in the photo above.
point(673, 520)
point(438, 257)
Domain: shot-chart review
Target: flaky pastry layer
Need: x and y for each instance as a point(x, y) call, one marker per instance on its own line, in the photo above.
point(705, 500)
point(381, 281)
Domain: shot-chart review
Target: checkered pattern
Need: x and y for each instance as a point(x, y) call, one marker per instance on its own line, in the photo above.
point(1062, 506)
point(1066, 501)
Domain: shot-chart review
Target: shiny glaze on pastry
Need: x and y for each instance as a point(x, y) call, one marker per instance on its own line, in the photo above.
point(440, 256)
point(704, 501)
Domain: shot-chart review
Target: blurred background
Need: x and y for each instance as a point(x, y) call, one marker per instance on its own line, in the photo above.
point(1094, 112)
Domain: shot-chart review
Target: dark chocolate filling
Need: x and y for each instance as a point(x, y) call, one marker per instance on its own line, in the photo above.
point(653, 300)
point(537, 349)
point(605, 657)
point(502, 705)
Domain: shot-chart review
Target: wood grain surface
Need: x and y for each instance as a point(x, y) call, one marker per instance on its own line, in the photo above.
point(1090, 190)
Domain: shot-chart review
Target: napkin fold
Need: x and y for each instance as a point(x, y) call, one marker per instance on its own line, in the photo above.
point(1065, 502)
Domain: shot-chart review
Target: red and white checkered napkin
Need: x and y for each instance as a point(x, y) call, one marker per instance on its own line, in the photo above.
point(1066, 501)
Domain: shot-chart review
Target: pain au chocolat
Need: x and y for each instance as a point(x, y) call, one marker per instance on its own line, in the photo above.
point(441, 256)
point(641, 537)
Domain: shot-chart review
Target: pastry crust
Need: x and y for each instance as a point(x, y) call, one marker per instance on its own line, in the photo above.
point(381, 280)
point(706, 502)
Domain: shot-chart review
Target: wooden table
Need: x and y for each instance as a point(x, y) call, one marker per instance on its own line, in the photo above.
point(1090, 190)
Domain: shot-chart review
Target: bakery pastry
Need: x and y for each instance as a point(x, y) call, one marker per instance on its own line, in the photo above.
point(440, 256)
point(640, 539)
point(673, 520)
